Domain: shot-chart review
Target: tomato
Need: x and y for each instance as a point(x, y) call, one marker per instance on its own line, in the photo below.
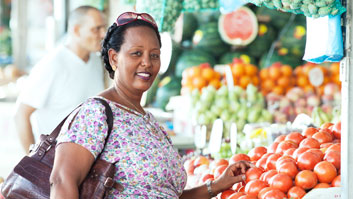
point(289, 151)
point(263, 191)
point(334, 157)
point(282, 182)
point(225, 194)
point(200, 161)
point(337, 130)
point(189, 166)
point(272, 148)
point(325, 171)
point(289, 168)
point(295, 137)
point(299, 151)
point(322, 185)
point(337, 181)
point(280, 138)
point(310, 143)
point(308, 160)
point(253, 174)
point(266, 177)
point(253, 187)
point(283, 159)
point(219, 170)
point(220, 162)
point(236, 195)
point(285, 145)
point(326, 145)
point(238, 157)
point(306, 179)
point(271, 161)
point(310, 131)
point(322, 137)
point(334, 147)
point(317, 152)
point(326, 125)
point(206, 177)
point(237, 186)
point(261, 163)
point(296, 192)
point(274, 194)
point(257, 152)
point(247, 197)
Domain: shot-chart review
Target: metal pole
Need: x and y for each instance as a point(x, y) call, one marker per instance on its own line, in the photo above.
point(346, 77)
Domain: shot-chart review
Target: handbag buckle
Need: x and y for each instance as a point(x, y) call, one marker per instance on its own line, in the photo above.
point(109, 182)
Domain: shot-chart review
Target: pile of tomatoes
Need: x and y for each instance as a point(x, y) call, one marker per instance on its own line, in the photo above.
point(290, 167)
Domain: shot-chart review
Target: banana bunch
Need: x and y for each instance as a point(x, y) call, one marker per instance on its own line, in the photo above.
point(320, 117)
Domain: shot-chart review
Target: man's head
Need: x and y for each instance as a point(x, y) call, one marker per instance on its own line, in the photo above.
point(86, 27)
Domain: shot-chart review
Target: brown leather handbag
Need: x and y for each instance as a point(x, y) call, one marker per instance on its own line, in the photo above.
point(30, 177)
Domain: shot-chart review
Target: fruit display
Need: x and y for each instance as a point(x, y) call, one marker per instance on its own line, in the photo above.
point(244, 73)
point(290, 167)
point(167, 87)
point(244, 56)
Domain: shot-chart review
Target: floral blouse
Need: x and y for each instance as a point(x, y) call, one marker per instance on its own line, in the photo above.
point(147, 165)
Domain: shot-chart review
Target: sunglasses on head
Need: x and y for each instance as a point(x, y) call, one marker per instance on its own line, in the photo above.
point(128, 17)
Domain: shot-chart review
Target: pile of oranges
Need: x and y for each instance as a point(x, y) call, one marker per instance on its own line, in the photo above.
point(277, 78)
point(244, 73)
point(197, 77)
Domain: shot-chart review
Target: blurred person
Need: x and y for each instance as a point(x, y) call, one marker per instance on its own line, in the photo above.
point(146, 163)
point(69, 74)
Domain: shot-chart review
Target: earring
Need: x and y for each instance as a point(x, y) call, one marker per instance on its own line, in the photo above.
point(114, 67)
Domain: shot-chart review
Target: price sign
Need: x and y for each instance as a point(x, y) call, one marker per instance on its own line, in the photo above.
point(233, 137)
point(216, 136)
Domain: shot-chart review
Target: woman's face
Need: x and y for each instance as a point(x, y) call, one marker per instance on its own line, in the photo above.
point(138, 60)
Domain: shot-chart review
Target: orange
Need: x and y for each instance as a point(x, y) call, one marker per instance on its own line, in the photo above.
point(244, 81)
point(307, 69)
point(302, 81)
point(320, 90)
point(335, 68)
point(267, 84)
point(326, 80)
point(194, 71)
point(286, 70)
point(235, 80)
point(284, 82)
point(255, 80)
point(250, 70)
point(217, 75)
point(264, 73)
point(309, 88)
point(207, 73)
point(336, 79)
point(298, 70)
point(324, 70)
point(274, 72)
point(238, 70)
point(278, 90)
point(215, 83)
point(199, 82)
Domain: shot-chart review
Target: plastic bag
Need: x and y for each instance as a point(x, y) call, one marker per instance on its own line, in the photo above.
point(324, 42)
point(227, 6)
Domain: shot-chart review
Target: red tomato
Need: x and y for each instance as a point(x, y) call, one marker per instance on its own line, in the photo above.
point(308, 160)
point(325, 171)
point(236, 195)
point(336, 141)
point(322, 185)
point(337, 130)
point(337, 181)
point(326, 125)
point(310, 131)
point(225, 194)
point(334, 147)
point(282, 182)
point(283, 159)
point(310, 143)
point(261, 163)
point(317, 152)
point(306, 179)
point(189, 166)
point(274, 194)
point(326, 145)
point(257, 152)
point(263, 191)
point(219, 170)
point(206, 177)
point(271, 161)
point(272, 148)
point(237, 157)
point(322, 137)
point(296, 192)
point(334, 157)
point(253, 174)
point(200, 160)
point(268, 175)
point(299, 151)
point(220, 162)
point(295, 137)
point(289, 151)
point(237, 186)
point(285, 145)
point(289, 168)
point(253, 187)
point(247, 197)
point(280, 138)
point(242, 189)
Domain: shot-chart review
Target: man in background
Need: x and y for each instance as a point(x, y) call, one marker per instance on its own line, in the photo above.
point(63, 78)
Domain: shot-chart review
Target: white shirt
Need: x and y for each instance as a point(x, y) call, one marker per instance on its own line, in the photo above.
point(57, 84)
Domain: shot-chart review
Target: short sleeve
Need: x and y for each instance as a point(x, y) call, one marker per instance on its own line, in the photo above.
point(88, 129)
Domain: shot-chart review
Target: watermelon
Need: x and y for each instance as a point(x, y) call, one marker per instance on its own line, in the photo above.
point(276, 18)
point(176, 51)
point(190, 24)
point(208, 39)
point(266, 36)
point(243, 55)
point(169, 86)
point(238, 27)
point(191, 58)
point(289, 59)
point(204, 17)
point(294, 38)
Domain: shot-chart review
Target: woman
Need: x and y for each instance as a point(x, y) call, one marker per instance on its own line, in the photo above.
point(147, 165)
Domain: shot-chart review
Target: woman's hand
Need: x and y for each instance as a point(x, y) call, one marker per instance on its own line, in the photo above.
point(234, 173)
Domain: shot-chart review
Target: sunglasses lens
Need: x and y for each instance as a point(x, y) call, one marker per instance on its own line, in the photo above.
point(126, 17)
point(148, 18)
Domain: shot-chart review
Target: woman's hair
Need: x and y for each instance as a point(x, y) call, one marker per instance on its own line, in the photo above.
point(115, 38)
